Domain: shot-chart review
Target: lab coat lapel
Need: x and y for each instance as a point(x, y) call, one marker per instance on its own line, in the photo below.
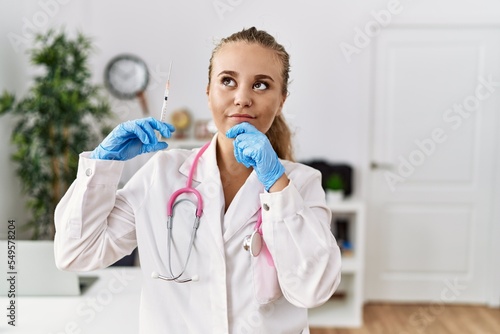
point(245, 204)
point(206, 180)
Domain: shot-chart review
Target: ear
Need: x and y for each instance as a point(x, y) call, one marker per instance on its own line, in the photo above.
point(284, 96)
point(208, 97)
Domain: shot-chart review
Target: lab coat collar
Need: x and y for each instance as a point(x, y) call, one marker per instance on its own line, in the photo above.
point(206, 164)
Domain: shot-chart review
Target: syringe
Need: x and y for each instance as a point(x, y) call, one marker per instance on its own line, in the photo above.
point(163, 115)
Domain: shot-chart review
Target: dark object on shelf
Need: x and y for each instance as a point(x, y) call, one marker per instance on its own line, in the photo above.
point(334, 176)
point(340, 230)
point(127, 260)
point(339, 295)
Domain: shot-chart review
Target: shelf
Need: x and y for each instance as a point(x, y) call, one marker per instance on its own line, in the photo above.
point(350, 265)
point(189, 143)
point(346, 206)
point(345, 308)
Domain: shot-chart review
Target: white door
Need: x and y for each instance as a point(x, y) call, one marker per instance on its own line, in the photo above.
point(436, 100)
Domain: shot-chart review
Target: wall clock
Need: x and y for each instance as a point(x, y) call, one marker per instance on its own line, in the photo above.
point(126, 77)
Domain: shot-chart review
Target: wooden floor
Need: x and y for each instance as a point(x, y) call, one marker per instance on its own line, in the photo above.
point(424, 319)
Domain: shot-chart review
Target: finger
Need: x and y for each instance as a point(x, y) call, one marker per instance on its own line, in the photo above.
point(241, 157)
point(170, 127)
point(160, 126)
point(245, 140)
point(244, 127)
point(150, 124)
point(248, 162)
point(249, 153)
point(132, 128)
point(145, 125)
point(154, 147)
point(166, 129)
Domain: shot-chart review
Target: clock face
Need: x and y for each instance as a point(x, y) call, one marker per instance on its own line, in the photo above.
point(126, 76)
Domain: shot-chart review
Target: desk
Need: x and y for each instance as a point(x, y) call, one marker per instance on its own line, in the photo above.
point(110, 305)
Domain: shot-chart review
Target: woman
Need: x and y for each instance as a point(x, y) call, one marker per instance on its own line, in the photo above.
point(245, 173)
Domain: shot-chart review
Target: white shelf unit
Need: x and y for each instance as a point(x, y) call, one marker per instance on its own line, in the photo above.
point(188, 143)
point(345, 308)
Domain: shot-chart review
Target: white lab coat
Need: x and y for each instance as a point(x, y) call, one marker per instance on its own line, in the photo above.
point(96, 225)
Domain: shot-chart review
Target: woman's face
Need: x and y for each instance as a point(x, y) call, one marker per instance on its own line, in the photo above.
point(245, 86)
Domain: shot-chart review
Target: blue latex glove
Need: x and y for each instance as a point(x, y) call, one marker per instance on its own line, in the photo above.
point(253, 149)
point(132, 138)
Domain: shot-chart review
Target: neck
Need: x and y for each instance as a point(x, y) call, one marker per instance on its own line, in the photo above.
point(226, 160)
point(233, 174)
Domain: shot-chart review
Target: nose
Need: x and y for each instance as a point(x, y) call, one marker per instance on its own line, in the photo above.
point(243, 97)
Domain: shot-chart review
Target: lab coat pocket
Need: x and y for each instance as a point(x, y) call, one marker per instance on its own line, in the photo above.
point(265, 277)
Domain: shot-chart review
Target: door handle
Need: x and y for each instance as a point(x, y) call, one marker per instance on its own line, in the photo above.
point(381, 165)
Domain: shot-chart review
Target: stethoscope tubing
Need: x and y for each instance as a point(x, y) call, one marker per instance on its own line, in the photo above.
point(255, 238)
point(171, 201)
point(170, 217)
point(196, 224)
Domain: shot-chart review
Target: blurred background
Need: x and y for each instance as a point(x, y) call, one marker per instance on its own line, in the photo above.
point(396, 101)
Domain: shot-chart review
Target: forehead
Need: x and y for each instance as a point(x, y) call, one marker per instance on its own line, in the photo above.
point(247, 58)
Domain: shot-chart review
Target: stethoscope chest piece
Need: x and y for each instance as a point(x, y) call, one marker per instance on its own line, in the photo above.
point(253, 243)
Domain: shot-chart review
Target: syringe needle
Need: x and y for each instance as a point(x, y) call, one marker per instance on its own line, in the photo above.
point(167, 86)
point(163, 115)
point(169, 71)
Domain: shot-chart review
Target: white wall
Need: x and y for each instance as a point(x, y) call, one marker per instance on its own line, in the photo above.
point(329, 103)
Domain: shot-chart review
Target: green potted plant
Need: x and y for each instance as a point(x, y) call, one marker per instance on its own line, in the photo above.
point(60, 116)
point(334, 188)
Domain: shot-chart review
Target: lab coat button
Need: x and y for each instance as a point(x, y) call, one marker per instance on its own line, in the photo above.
point(88, 172)
point(266, 207)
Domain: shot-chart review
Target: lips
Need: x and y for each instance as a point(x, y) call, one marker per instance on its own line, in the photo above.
point(247, 116)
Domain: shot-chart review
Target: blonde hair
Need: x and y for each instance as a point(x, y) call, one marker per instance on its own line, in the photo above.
point(279, 133)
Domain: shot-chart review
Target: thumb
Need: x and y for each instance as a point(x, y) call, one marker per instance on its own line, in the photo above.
point(238, 129)
point(154, 147)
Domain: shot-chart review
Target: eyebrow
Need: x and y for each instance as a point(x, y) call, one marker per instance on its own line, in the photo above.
point(235, 74)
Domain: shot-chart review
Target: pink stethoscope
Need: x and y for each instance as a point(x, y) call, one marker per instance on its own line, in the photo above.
point(252, 243)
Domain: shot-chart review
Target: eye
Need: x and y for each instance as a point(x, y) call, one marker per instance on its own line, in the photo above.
point(227, 81)
point(260, 86)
